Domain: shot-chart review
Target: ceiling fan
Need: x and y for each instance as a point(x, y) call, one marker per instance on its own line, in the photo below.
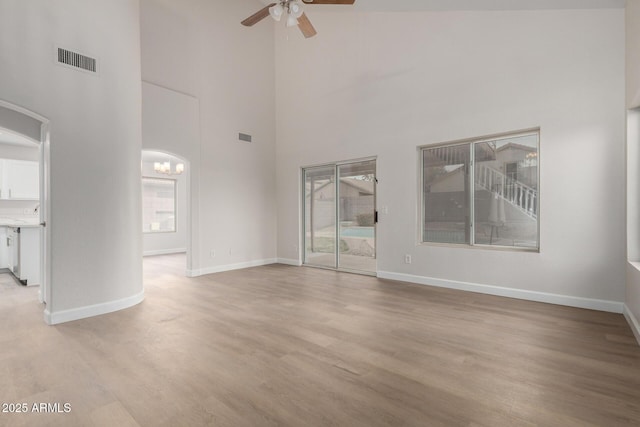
point(292, 11)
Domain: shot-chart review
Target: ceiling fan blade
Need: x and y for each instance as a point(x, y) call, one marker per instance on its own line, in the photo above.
point(305, 26)
point(257, 17)
point(329, 1)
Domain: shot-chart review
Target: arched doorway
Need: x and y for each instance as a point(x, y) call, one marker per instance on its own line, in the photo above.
point(23, 131)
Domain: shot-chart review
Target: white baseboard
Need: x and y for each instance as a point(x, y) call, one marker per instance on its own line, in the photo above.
point(229, 267)
point(633, 322)
point(165, 252)
point(589, 303)
point(91, 310)
point(288, 261)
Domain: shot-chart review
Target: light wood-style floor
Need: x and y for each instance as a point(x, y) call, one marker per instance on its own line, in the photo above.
point(289, 346)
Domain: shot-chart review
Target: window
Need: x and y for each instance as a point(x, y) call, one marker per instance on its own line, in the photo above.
point(482, 192)
point(158, 205)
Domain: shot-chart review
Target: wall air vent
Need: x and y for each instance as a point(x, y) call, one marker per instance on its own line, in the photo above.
point(244, 137)
point(77, 60)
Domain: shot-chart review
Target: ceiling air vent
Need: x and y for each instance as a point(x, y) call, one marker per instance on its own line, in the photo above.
point(244, 137)
point(77, 60)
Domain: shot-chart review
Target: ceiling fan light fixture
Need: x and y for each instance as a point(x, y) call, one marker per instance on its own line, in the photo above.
point(276, 11)
point(295, 9)
point(292, 21)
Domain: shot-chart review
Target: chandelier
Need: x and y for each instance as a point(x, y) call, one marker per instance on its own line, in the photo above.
point(291, 8)
point(165, 168)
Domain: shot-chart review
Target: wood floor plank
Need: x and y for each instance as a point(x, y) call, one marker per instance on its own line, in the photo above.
point(289, 346)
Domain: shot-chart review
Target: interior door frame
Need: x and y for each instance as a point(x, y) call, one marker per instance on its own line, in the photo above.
point(44, 293)
point(336, 167)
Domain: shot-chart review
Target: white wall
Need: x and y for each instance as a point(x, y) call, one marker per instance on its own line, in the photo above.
point(632, 299)
point(382, 84)
point(173, 242)
point(96, 239)
point(632, 26)
point(197, 57)
point(21, 125)
point(16, 152)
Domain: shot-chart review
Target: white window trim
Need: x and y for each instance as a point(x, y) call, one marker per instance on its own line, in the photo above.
point(472, 245)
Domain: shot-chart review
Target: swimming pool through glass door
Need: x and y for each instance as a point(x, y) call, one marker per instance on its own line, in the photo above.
point(340, 216)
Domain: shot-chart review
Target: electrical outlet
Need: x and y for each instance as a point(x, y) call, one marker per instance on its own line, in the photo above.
point(385, 210)
point(229, 251)
point(212, 254)
point(407, 259)
point(295, 248)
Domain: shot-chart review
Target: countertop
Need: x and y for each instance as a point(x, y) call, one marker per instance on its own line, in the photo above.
point(19, 222)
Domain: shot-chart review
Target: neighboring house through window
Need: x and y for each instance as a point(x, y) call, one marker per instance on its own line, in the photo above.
point(482, 191)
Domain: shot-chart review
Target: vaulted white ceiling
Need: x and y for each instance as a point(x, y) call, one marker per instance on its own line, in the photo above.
point(417, 5)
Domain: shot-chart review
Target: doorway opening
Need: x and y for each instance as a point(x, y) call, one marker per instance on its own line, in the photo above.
point(340, 216)
point(166, 219)
point(24, 198)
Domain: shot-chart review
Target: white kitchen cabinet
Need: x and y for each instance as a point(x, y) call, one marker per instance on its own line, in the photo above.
point(24, 254)
point(13, 250)
point(4, 248)
point(20, 180)
point(30, 255)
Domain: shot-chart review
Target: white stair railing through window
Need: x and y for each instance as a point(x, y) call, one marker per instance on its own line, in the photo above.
point(517, 194)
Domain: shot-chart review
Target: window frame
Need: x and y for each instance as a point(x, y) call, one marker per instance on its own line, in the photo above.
point(175, 204)
point(471, 141)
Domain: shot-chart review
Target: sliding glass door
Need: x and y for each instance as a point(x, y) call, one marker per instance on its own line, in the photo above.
point(320, 216)
point(340, 217)
point(357, 214)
